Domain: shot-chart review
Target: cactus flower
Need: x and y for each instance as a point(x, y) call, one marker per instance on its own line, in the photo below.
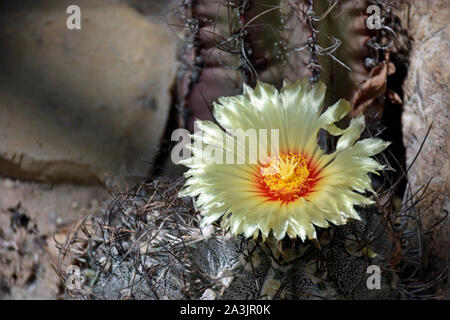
point(295, 188)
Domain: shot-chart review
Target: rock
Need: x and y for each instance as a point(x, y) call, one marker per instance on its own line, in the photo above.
point(427, 103)
point(82, 105)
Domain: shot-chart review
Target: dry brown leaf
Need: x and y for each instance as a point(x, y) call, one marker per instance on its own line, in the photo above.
point(364, 97)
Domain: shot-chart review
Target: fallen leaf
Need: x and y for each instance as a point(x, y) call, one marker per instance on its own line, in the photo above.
point(364, 98)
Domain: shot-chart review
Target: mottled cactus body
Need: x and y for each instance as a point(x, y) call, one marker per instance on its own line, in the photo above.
point(150, 247)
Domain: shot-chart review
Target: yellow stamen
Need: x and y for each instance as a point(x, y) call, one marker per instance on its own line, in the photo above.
point(286, 177)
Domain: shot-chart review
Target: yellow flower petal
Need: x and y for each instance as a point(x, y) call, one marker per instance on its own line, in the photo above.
point(300, 195)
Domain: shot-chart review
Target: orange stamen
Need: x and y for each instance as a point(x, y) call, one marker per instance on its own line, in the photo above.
point(286, 177)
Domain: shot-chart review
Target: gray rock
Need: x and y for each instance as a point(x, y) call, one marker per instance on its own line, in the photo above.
point(82, 105)
point(427, 103)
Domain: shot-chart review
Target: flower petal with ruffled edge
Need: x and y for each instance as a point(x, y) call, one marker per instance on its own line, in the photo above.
point(250, 203)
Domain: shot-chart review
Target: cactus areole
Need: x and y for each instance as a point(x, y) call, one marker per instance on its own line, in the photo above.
point(298, 186)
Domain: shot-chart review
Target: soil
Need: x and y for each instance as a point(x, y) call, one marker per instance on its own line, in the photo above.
point(34, 217)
